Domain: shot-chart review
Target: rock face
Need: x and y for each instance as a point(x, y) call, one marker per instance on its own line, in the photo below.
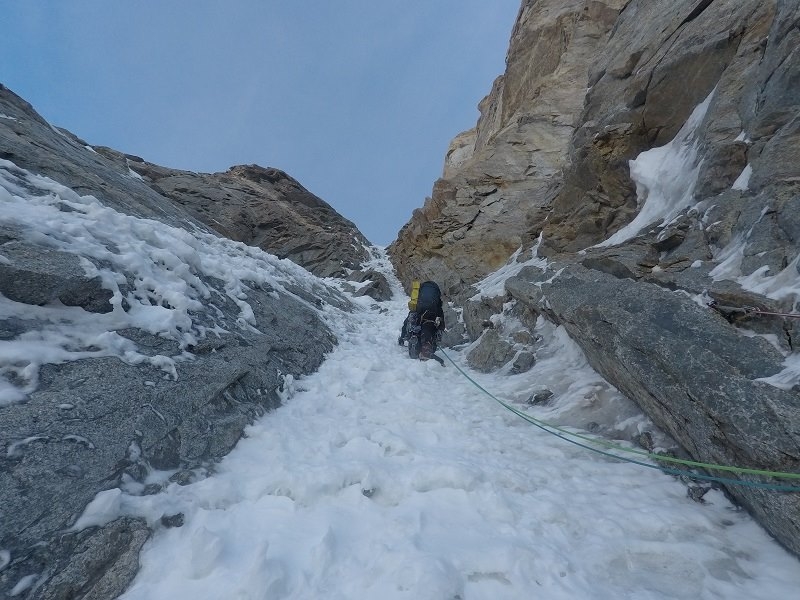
point(266, 208)
point(84, 412)
point(501, 178)
point(259, 206)
point(651, 153)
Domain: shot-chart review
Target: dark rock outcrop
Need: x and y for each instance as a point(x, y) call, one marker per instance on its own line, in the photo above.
point(711, 87)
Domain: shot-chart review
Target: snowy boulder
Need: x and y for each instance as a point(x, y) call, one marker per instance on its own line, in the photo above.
point(456, 332)
point(523, 362)
point(490, 353)
point(477, 312)
point(377, 287)
point(95, 563)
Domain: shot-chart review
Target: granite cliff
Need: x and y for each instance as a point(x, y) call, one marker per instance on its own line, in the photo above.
point(649, 154)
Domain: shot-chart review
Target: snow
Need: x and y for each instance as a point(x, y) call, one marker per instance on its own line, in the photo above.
point(789, 376)
point(383, 477)
point(4, 116)
point(104, 508)
point(743, 180)
point(379, 476)
point(665, 178)
point(493, 284)
point(23, 585)
point(163, 265)
point(783, 286)
point(134, 175)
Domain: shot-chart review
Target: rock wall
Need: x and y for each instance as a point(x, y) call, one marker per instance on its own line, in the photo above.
point(497, 193)
point(650, 151)
point(259, 206)
point(71, 427)
point(267, 208)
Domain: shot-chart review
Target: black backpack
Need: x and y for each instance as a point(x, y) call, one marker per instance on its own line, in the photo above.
point(430, 297)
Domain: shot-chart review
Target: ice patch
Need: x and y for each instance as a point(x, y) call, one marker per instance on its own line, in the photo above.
point(5, 558)
point(23, 585)
point(783, 286)
point(14, 449)
point(134, 175)
point(493, 285)
point(78, 439)
point(665, 178)
point(789, 377)
point(729, 260)
point(104, 508)
point(743, 180)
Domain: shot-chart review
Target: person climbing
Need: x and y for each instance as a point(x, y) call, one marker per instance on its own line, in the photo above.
point(424, 324)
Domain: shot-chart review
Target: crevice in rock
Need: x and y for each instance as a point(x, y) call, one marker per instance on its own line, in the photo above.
point(696, 12)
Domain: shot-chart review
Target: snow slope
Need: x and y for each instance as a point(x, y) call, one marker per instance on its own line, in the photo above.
point(384, 477)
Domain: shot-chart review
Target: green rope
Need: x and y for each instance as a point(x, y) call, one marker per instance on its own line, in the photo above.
point(567, 435)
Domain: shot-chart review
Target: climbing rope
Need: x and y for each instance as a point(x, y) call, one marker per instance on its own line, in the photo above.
point(568, 435)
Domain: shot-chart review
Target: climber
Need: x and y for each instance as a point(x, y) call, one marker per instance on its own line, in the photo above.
point(424, 324)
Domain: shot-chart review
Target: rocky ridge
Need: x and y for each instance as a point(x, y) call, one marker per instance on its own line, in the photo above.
point(262, 207)
point(701, 96)
point(137, 342)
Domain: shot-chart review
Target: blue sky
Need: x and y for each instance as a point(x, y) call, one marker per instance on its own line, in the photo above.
point(357, 99)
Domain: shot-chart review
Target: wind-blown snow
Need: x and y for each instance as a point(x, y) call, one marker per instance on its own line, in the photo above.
point(665, 178)
point(151, 267)
point(384, 477)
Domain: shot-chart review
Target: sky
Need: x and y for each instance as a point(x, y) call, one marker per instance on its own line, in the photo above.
point(356, 99)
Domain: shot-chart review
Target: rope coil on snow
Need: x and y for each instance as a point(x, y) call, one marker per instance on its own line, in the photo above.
point(567, 435)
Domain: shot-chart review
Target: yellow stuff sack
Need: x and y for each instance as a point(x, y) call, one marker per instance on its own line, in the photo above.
point(412, 304)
